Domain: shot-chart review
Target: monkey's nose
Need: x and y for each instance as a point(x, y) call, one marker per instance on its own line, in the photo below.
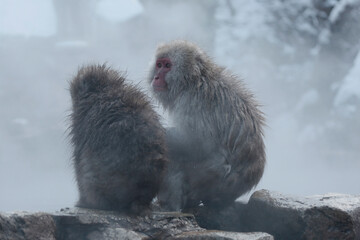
point(156, 77)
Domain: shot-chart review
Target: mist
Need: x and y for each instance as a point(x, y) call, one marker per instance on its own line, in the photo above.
point(300, 58)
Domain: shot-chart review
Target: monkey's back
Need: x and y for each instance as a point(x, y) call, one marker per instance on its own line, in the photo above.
point(119, 150)
point(240, 136)
point(222, 119)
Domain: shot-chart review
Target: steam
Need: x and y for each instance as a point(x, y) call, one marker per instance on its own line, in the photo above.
point(311, 148)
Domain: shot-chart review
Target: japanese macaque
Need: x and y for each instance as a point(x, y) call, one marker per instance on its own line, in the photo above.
point(119, 143)
point(216, 147)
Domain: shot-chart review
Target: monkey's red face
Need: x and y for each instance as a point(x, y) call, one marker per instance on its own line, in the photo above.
point(163, 66)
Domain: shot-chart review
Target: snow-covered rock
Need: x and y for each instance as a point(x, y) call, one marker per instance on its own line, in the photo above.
point(329, 216)
point(350, 86)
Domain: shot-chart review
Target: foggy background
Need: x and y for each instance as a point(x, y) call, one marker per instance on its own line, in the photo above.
point(300, 57)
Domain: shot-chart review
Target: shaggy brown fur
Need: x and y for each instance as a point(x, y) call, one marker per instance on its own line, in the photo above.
point(119, 150)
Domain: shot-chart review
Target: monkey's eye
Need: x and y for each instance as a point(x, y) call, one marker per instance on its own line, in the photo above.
point(167, 65)
point(158, 65)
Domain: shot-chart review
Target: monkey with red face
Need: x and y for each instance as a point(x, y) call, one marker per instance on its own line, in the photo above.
point(216, 147)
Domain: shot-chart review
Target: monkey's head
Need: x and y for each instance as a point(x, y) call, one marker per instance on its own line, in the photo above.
point(94, 79)
point(178, 67)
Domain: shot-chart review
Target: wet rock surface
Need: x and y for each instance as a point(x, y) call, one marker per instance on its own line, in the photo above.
point(89, 224)
point(330, 216)
point(267, 214)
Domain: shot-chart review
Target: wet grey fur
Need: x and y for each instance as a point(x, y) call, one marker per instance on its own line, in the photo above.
point(216, 149)
point(119, 154)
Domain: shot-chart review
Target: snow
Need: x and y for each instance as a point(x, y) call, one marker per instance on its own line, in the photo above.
point(344, 202)
point(339, 8)
point(249, 19)
point(236, 30)
point(248, 42)
point(350, 86)
point(324, 36)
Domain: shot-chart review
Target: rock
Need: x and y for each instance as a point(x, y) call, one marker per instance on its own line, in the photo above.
point(223, 236)
point(77, 223)
point(27, 226)
point(330, 216)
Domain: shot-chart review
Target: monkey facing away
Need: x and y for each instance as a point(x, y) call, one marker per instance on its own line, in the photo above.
point(216, 148)
point(119, 143)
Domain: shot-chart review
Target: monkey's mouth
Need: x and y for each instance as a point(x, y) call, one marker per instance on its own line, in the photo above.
point(160, 89)
point(159, 85)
